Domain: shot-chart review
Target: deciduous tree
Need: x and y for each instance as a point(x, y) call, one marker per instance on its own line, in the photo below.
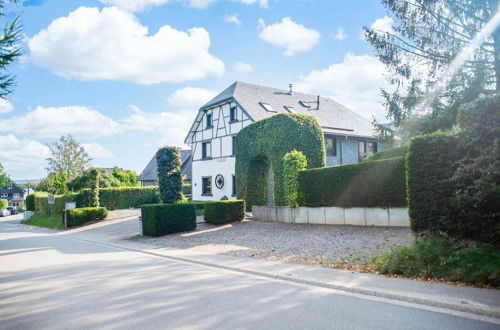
point(67, 156)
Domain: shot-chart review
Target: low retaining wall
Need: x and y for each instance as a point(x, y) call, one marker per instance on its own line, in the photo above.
point(359, 216)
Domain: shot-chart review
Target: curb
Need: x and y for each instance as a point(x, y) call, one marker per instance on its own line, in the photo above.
point(416, 300)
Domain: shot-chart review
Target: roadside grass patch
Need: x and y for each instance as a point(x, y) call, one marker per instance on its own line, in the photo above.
point(445, 259)
point(46, 221)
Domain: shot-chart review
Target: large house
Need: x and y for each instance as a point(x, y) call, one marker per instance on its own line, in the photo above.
point(14, 194)
point(349, 138)
point(149, 176)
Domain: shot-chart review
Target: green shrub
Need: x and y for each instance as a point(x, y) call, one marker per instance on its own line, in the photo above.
point(79, 216)
point(43, 207)
point(293, 163)
point(162, 219)
point(30, 202)
point(389, 153)
point(431, 161)
point(94, 188)
point(4, 203)
point(378, 183)
point(261, 146)
point(120, 198)
point(187, 189)
point(446, 259)
point(224, 212)
point(169, 174)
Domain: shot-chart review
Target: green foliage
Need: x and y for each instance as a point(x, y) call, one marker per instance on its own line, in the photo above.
point(3, 203)
point(55, 183)
point(120, 198)
point(378, 183)
point(43, 220)
point(262, 145)
point(169, 174)
point(10, 49)
point(4, 178)
point(445, 259)
point(389, 153)
point(83, 180)
point(293, 163)
point(67, 156)
point(30, 202)
point(79, 216)
point(162, 219)
point(43, 207)
point(224, 212)
point(126, 178)
point(187, 189)
point(94, 188)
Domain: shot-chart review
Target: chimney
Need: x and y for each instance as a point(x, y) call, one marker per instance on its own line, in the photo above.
point(318, 103)
point(290, 86)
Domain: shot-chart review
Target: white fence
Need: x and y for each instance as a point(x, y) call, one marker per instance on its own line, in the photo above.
point(359, 216)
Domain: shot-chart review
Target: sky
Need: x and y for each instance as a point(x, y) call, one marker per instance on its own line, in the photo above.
point(125, 77)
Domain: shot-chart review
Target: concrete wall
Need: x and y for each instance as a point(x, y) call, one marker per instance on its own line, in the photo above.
point(359, 216)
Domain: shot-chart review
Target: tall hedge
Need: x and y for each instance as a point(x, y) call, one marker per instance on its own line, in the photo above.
point(42, 205)
point(168, 160)
point(30, 202)
point(261, 146)
point(389, 153)
point(368, 184)
point(431, 161)
point(293, 163)
point(94, 188)
point(120, 197)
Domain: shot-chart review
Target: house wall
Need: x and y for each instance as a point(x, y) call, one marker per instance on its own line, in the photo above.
point(347, 151)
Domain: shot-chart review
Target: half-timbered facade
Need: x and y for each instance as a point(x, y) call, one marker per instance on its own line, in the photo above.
point(348, 137)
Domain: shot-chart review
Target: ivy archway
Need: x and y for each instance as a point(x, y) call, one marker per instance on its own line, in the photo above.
point(259, 151)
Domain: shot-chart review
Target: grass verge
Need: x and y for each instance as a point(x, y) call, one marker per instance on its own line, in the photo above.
point(41, 220)
point(443, 259)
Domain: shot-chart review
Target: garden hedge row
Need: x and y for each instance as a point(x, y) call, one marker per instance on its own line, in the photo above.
point(79, 216)
point(162, 219)
point(30, 202)
point(120, 197)
point(42, 205)
point(389, 153)
point(380, 183)
point(224, 211)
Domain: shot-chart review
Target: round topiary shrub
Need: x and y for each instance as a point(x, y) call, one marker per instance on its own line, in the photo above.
point(260, 148)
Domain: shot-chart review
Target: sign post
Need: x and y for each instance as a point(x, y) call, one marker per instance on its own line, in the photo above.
point(68, 206)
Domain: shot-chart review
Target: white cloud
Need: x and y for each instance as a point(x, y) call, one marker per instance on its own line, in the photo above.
point(22, 155)
point(95, 150)
point(262, 3)
point(200, 4)
point(191, 97)
point(232, 19)
point(340, 35)
point(111, 44)
point(52, 122)
point(355, 82)
point(5, 106)
point(242, 67)
point(134, 5)
point(383, 24)
point(292, 36)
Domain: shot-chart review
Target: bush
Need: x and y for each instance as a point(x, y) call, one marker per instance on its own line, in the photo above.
point(43, 207)
point(79, 216)
point(4, 203)
point(224, 211)
point(187, 189)
point(162, 219)
point(389, 153)
point(293, 163)
point(94, 188)
point(378, 183)
point(441, 258)
point(261, 146)
point(169, 174)
point(30, 202)
point(120, 198)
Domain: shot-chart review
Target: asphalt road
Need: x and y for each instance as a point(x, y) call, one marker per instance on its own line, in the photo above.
point(49, 281)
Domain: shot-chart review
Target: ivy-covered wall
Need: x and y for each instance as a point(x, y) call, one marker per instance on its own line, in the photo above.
point(262, 145)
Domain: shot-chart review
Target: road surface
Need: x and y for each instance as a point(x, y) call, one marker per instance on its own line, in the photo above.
point(48, 281)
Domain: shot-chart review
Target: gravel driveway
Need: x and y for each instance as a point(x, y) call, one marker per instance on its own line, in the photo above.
point(310, 244)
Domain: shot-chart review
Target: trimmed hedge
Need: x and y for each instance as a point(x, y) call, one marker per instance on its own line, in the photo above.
point(162, 219)
point(380, 183)
point(261, 146)
point(79, 216)
point(30, 202)
point(42, 205)
point(389, 153)
point(120, 197)
point(224, 212)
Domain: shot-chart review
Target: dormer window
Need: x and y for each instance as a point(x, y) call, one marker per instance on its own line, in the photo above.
point(290, 109)
point(233, 114)
point(209, 121)
point(305, 104)
point(267, 106)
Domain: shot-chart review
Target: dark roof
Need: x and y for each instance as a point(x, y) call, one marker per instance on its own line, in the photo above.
point(333, 117)
point(150, 172)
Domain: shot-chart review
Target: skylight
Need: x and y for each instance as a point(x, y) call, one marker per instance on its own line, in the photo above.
point(305, 104)
point(267, 106)
point(290, 109)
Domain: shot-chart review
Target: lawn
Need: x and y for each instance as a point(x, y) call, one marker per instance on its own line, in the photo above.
point(41, 220)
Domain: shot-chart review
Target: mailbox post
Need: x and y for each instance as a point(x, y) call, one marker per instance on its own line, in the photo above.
point(68, 206)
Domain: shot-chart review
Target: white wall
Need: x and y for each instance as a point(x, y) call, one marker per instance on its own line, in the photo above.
point(213, 167)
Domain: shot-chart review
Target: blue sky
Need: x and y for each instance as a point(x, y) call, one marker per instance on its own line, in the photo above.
point(127, 76)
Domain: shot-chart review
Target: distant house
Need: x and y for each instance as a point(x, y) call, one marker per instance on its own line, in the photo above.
point(149, 176)
point(349, 138)
point(14, 194)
